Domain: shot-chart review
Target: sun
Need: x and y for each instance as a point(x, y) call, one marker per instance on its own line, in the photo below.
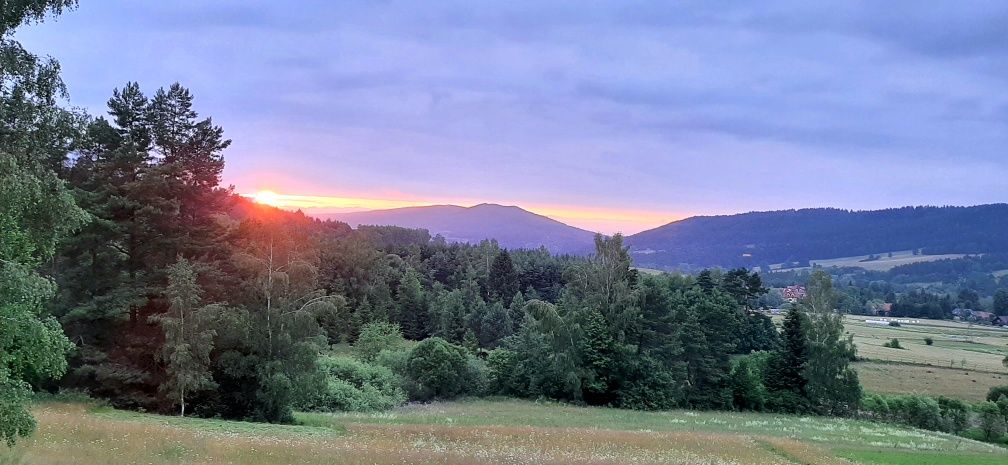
point(267, 198)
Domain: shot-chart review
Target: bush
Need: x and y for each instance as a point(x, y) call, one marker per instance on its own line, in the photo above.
point(875, 407)
point(992, 421)
point(894, 324)
point(996, 392)
point(955, 414)
point(352, 385)
point(502, 373)
point(650, 386)
point(444, 370)
point(748, 392)
point(893, 344)
point(375, 337)
point(928, 340)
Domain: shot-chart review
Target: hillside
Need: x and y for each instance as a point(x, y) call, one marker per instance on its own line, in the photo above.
point(511, 226)
point(763, 238)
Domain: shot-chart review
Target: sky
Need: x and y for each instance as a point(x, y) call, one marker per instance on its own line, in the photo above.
point(612, 116)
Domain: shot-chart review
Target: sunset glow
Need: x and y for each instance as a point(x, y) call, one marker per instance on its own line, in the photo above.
point(605, 220)
point(268, 198)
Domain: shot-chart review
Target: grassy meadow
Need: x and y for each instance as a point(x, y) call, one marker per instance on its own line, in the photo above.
point(883, 263)
point(484, 432)
point(963, 361)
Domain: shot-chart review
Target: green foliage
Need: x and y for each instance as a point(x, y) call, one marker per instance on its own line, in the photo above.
point(188, 340)
point(602, 359)
point(412, 313)
point(996, 393)
point(356, 386)
point(929, 340)
point(941, 414)
point(892, 344)
point(36, 211)
point(503, 281)
point(748, 392)
point(376, 337)
point(1000, 304)
point(543, 358)
point(495, 325)
point(991, 421)
point(441, 369)
point(784, 376)
point(955, 414)
point(833, 387)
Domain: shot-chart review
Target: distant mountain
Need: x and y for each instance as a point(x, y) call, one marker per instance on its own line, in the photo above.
point(512, 227)
point(764, 238)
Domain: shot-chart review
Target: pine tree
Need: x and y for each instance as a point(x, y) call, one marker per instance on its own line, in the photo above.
point(496, 325)
point(785, 375)
point(601, 355)
point(503, 280)
point(450, 309)
point(516, 312)
point(413, 315)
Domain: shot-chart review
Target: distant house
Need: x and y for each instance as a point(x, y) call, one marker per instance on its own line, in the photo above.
point(884, 310)
point(793, 293)
point(1000, 320)
point(983, 317)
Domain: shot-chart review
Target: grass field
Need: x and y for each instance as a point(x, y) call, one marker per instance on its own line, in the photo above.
point(964, 360)
point(884, 263)
point(485, 432)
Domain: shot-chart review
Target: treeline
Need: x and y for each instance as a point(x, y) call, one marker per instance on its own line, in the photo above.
point(918, 290)
point(765, 238)
point(983, 421)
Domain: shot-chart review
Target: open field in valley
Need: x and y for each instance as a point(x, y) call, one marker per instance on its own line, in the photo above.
point(896, 378)
point(484, 432)
point(964, 360)
point(883, 263)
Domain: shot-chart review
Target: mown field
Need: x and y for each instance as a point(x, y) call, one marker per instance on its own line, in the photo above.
point(484, 432)
point(883, 263)
point(963, 361)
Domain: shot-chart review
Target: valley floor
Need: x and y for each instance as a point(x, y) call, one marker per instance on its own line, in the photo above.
point(485, 432)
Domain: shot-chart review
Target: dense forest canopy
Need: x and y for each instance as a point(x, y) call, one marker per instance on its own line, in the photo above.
point(765, 238)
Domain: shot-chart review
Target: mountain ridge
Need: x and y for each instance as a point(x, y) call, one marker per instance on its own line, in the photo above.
point(756, 238)
point(776, 236)
point(512, 226)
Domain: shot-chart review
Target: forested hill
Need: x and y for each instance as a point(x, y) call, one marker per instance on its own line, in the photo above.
point(511, 226)
point(763, 238)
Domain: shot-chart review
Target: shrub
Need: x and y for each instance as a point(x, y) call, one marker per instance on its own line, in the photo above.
point(996, 392)
point(502, 373)
point(955, 414)
point(442, 370)
point(893, 344)
point(894, 324)
point(928, 340)
point(992, 422)
point(875, 407)
point(375, 337)
point(650, 386)
point(921, 412)
point(748, 392)
point(352, 385)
